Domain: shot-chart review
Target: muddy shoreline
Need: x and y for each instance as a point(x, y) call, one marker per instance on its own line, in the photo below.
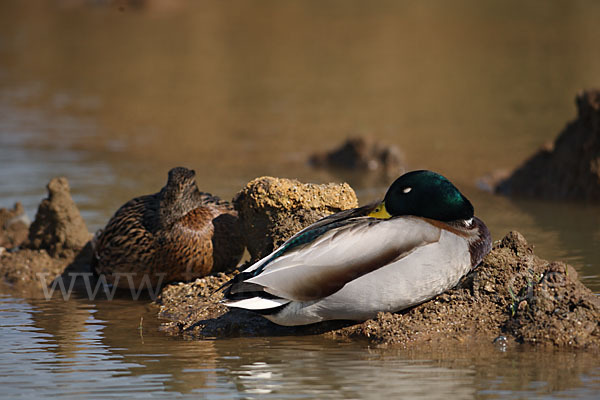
point(512, 297)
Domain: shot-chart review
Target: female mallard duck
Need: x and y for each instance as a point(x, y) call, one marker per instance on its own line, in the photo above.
point(414, 245)
point(178, 233)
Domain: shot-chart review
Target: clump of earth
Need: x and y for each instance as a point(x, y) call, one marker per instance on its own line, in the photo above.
point(512, 296)
point(362, 154)
point(57, 241)
point(273, 209)
point(566, 169)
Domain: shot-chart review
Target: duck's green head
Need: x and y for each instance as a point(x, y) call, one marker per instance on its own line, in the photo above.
point(424, 194)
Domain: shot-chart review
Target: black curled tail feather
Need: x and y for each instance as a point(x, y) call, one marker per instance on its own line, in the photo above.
point(228, 287)
point(238, 289)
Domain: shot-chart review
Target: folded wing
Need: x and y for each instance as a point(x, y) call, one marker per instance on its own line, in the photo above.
point(341, 255)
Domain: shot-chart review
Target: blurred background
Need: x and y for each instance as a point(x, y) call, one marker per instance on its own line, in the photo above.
point(112, 94)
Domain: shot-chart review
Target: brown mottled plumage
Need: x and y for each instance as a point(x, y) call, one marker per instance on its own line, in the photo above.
point(179, 232)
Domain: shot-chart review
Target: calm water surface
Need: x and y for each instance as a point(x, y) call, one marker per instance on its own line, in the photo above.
point(83, 349)
point(113, 94)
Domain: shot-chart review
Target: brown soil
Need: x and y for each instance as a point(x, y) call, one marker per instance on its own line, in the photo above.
point(58, 226)
point(511, 293)
point(512, 296)
point(28, 270)
point(273, 209)
point(362, 154)
point(194, 309)
point(569, 168)
point(22, 267)
point(14, 226)
point(58, 243)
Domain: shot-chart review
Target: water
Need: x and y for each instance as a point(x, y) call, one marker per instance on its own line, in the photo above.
point(97, 350)
point(113, 94)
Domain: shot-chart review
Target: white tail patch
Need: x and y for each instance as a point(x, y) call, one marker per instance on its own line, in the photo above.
point(256, 303)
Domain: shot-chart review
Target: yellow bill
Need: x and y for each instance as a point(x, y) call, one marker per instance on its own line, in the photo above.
point(380, 212)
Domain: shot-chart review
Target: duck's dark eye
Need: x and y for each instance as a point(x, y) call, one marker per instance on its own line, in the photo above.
point(406, 190)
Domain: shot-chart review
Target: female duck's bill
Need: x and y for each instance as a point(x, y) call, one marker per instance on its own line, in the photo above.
point(415, 244)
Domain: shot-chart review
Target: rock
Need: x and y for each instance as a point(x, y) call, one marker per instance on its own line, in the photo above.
point(272, 209)
point(58, 226)
point(569, 168)
point(362, 154)
point(14, 226)
point(512, 294)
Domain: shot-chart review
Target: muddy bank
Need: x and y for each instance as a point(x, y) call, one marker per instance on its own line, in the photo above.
point(513, 296)
point(569, 167)
point(57, 242)
point(273, 209)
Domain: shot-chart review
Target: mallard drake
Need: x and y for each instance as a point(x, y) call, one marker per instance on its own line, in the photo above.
point(415, 244)
point(178, 233)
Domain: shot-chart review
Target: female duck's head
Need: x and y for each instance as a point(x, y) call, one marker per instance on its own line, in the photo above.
point(429, 195)
point(179, 196)
point(181, 181)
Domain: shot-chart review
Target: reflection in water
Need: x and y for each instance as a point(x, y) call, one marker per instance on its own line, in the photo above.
point(336, 369)
point(114, 93)
point(77, 348)
point(69, 360)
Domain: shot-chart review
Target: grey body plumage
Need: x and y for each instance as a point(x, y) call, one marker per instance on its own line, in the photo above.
point(389, 256)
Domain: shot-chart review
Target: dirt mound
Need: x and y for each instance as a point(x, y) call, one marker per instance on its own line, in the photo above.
point(273, 209)
point(58, 242)
point(30, 270)
point(58, 226)
point(23, 267)
point(557, 310)
point(362, 154)
point(14, 226)
point(512, 295)
point(569, 168)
